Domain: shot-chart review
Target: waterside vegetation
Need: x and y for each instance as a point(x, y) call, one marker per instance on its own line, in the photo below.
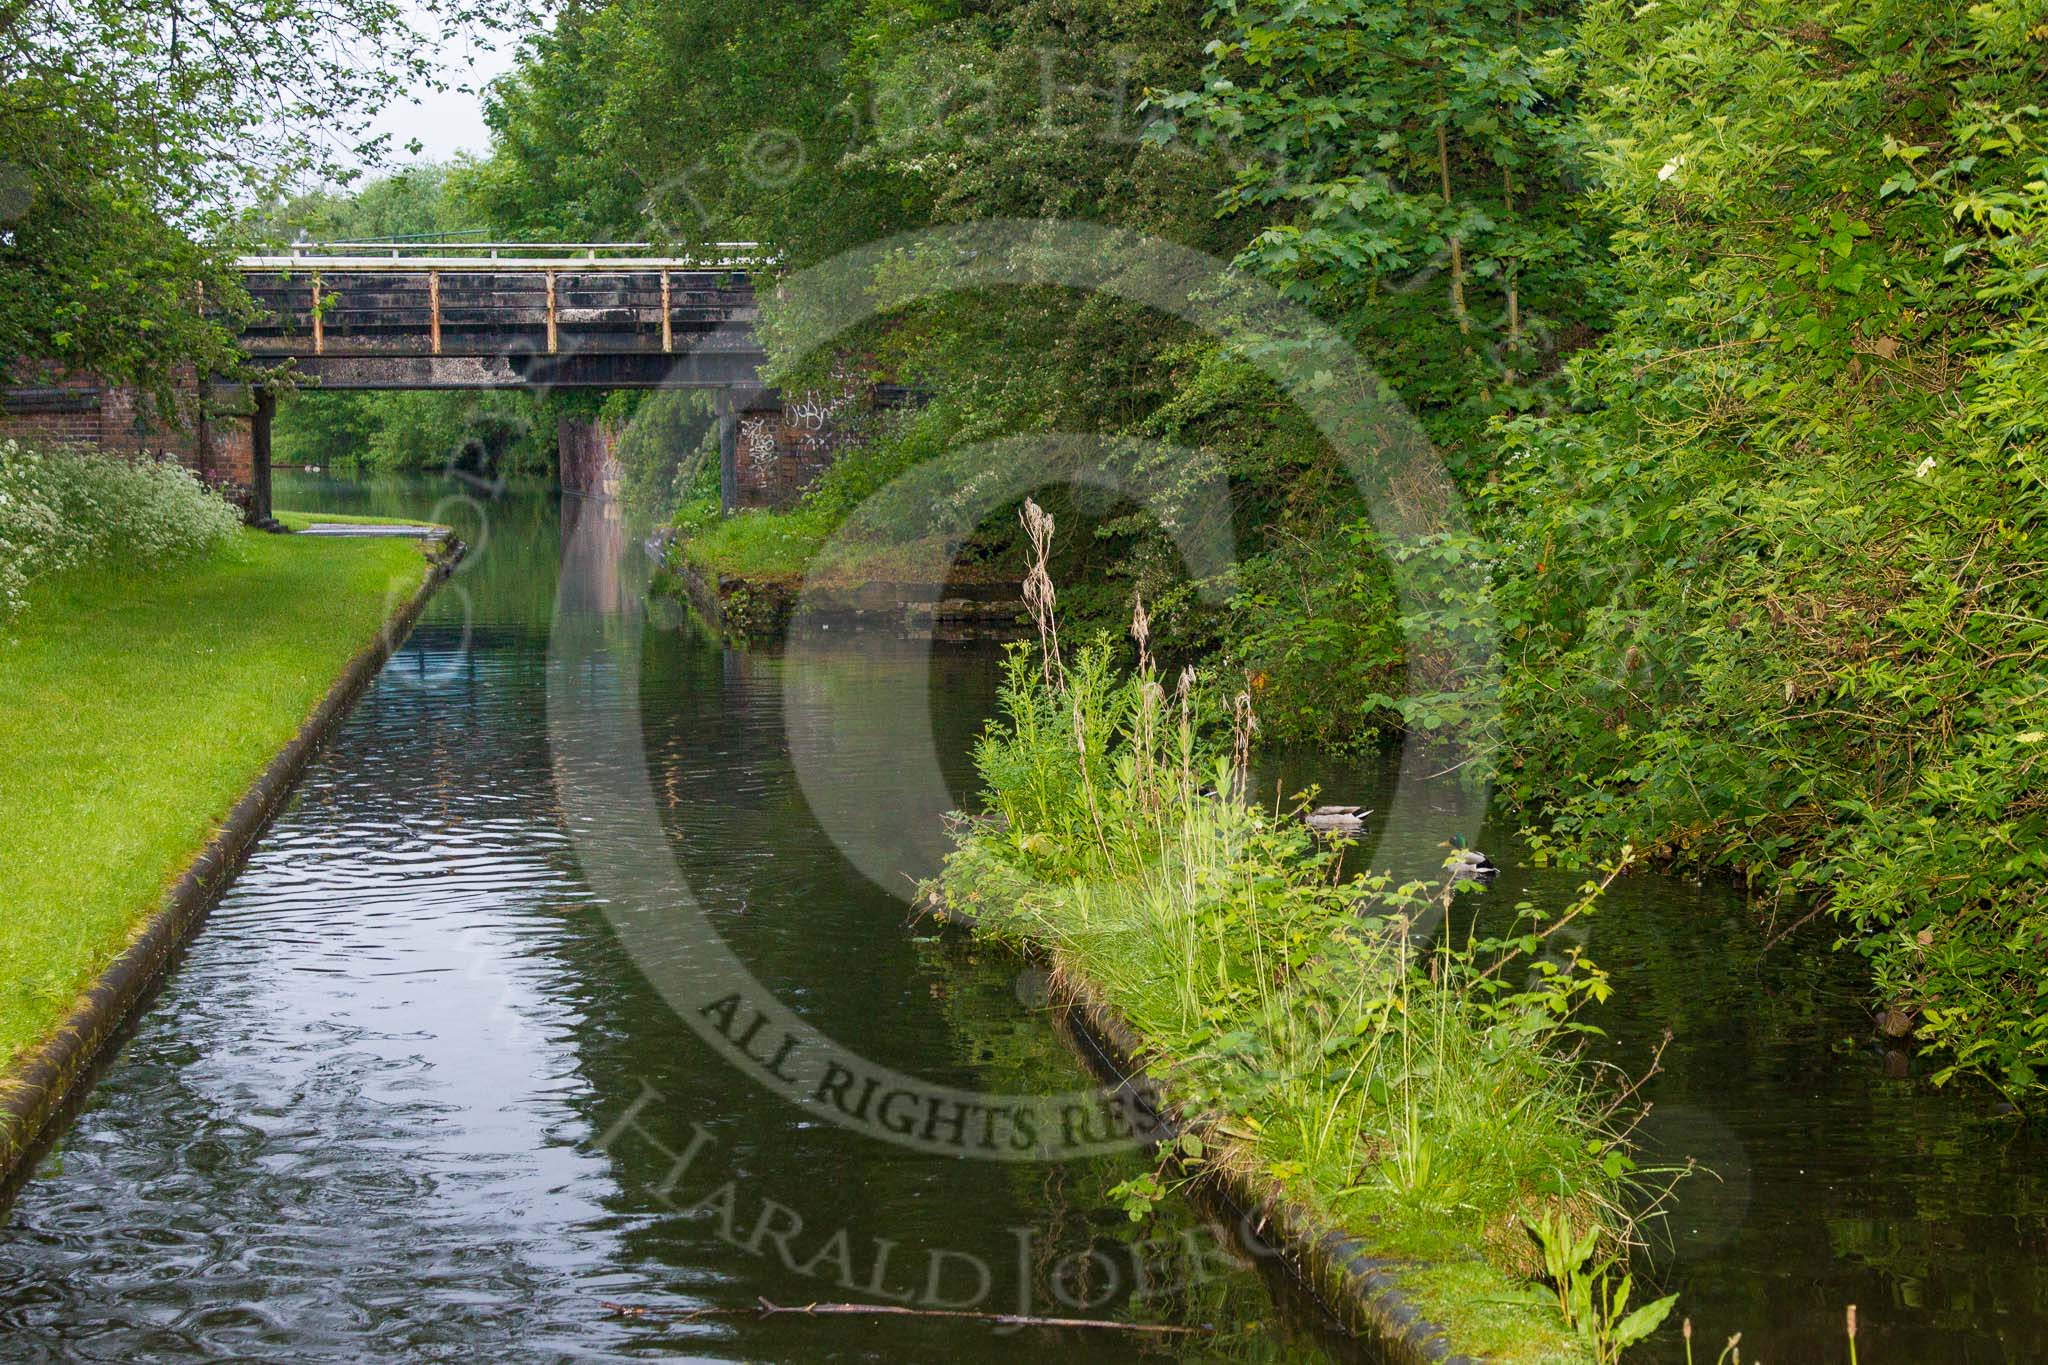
point(1728, 321)
point(1325, 1029)
point(62, 509)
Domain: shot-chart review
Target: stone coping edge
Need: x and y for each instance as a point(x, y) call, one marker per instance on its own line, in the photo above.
point(1360, 1290)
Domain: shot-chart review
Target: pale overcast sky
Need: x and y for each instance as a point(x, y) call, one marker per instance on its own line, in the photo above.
point(447, 121)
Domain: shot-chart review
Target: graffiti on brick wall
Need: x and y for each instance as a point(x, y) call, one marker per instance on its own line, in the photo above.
point(780, 451)
point(809, 419)
point(757, 445)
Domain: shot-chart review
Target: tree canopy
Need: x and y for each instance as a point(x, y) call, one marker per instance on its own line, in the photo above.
point(140, 138)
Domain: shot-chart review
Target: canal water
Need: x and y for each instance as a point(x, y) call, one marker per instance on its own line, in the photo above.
point(409, 1097)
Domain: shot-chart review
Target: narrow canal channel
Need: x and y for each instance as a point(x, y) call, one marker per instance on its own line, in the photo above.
point(409, 1098)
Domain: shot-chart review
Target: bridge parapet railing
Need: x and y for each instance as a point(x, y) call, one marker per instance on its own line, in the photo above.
point(713, 256)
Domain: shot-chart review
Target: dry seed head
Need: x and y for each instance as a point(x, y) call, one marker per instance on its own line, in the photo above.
point(1242, 725)
point(1038, 525)
point(1141, 631)
point(1039, 597)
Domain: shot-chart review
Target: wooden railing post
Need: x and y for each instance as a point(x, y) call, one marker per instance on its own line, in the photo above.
point(434, 307)
point(668, 336)
point(551, 312)
point(319, 328)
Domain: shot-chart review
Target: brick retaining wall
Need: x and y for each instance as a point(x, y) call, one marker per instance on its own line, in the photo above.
point(785, 442)
point(55, 407)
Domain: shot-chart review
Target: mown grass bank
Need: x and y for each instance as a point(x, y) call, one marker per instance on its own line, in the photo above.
point(765, 546)
point(803, 546)
point(136, 706)
point(1324, 1032)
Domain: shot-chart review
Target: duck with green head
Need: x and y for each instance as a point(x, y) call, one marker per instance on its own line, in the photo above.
point(1467, 864)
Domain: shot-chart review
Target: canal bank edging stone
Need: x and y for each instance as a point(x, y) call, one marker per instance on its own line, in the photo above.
point(1361, 1291)
point(744, 611)
point(48, 1083)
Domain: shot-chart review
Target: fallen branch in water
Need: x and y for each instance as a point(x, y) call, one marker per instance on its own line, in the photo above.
point(762, 1308)
point(1775, 939)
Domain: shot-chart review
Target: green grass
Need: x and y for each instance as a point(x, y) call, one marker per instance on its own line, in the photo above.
point(1416, 1092)
point(135, 709)
point(1384, 1116)
point(756, 545)
point(798, 546)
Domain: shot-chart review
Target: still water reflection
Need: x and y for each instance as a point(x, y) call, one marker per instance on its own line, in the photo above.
point(408, 1098)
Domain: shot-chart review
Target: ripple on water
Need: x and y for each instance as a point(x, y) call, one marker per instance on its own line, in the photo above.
point(348, 1123)
point(360, 1121)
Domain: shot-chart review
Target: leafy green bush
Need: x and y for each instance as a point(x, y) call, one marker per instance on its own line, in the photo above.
point(60, 508)
point(1315, 628)
point(1778, 603)
point(668, 444)
point(1404, 169)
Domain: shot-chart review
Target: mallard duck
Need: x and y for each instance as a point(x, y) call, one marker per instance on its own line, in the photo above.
point(1468, 864)
point(1335, 821)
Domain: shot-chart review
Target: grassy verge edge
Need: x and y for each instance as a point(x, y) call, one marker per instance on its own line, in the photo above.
point(187, 850)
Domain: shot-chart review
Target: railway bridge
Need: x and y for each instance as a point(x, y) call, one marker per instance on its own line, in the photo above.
point(352, 316)
point(505, 315)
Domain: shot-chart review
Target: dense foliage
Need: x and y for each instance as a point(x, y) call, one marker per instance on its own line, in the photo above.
point(1779, 603)
point(60, 508)
point(1411, 162)
point(1729, 320)
point(685, 123)
point(481, 433)
point(136, 138)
